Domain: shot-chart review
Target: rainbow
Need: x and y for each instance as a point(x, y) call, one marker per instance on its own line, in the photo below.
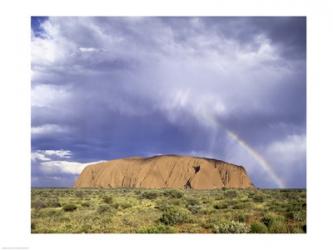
point(263, 163)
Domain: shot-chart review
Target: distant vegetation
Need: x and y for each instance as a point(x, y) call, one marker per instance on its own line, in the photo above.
point(168, 211)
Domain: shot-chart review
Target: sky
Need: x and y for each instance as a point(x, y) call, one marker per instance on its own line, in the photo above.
point(230, 88)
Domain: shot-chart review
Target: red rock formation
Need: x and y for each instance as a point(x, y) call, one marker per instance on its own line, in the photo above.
point(164, 171)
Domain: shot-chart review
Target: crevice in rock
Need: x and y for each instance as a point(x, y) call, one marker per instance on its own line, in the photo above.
point(196, 169)
point(188, 185)
point(226, 178)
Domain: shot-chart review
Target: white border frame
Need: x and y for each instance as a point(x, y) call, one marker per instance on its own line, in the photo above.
point(15, 122)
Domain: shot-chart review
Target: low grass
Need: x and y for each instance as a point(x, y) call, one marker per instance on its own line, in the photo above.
point(66, 210)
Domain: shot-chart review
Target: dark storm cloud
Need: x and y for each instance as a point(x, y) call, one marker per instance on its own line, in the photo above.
point(105, 88)
point(36, 22)
point(95, 140)
point(286, 105)
point(287, 33)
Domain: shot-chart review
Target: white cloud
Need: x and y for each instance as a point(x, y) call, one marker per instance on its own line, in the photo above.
point(59, 153)
point(204, 108)
point(88, 49)
point(290, 148)
point(265, 52)
point(47, 129)
point(44, 95)
point(289, 157)
point(52, 48)
point(67, 167)
point(39, 156)
point(62, 167)
point(57, 161)
point(43, 51)
point(47, 155)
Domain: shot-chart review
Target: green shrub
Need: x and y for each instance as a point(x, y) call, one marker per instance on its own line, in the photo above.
point(290, 194)
point(108, 199)
point(240, 205)
point(162, 205)
point(138, 192)
point(231, 227)
point(220, 206)
point(258, 227)
point(175, 202)
point(125, 205)
point(52, 212)
point(289, 215)
point(64, 219)
point(103, 209)
point(69, 207)
point(277, 207)
point(278, 227)
point(116, 205)
point(269, 219)
point(38, 204)
point(53, 203)
point(207, 200)
point(251, 194)
point(231, 194)
point(240, 217)
point(195, 209)
point(207, 211)
point(149, 195)
point(174, 215)
point(297, 216)
point(79, 194)
point(173, 193)
point(160, 228)
point(219, 197)
point(258, 198)
point(85, 204)
point(192, 202)
point(85, 228)
point(296, 229)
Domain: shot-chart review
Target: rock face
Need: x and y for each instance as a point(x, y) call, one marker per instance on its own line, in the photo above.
point(164, 171)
